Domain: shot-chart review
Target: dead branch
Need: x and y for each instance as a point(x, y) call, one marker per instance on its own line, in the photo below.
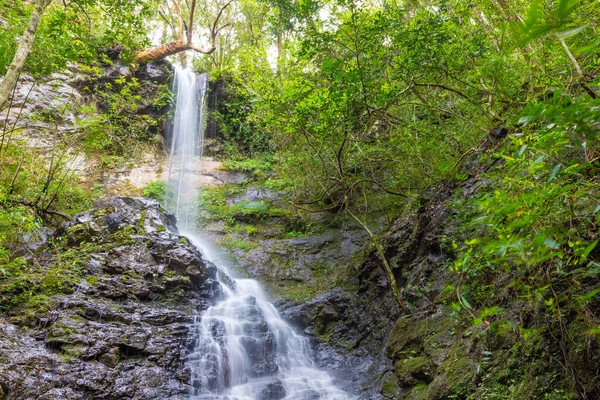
point(183, 44)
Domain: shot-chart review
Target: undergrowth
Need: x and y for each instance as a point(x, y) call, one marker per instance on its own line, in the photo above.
point(532, 237)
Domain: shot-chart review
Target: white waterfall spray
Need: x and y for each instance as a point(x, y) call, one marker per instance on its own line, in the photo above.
point(187, 143)
point(244, 350)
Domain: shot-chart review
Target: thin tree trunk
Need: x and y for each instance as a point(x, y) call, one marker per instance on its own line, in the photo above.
point(25, 43)
point(580, 75)
point(383, 258)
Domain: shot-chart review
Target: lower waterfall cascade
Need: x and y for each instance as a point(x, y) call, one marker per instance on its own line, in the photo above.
point(243, 349)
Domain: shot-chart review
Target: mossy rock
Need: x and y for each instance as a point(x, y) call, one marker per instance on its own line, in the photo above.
point(390, 388)
point(411, 371)
point(456, 376)
point(418, 392)
point(411, 335)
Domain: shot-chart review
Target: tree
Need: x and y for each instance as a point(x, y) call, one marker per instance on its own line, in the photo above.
point(25, 44)
point(183, 33)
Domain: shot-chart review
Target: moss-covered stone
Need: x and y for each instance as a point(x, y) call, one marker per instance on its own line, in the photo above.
point(390, 388)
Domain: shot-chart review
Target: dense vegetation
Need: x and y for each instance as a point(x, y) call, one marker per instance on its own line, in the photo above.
point(362, 109)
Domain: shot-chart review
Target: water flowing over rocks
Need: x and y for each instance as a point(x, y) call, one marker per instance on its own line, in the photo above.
point(124, 332)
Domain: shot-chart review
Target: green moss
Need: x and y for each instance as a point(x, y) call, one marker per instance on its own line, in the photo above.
point(259, 167)
point(215, 205)
point(91, 280)
point(413, 369)
point(390, 387)
point(74, 350)
point(300, 292)
point(142, 221)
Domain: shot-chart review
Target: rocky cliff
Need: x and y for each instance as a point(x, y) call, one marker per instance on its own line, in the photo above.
point(120, 328)
point(507, 345)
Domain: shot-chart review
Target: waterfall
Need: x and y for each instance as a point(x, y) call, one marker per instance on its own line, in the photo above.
point(187, 143)
point(243, 349)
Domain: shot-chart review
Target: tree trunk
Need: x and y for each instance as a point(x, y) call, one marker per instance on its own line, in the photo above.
point(168, 49)
point(383, 258)
point(26, 42)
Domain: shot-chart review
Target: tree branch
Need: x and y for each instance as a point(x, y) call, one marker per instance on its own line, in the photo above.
point(41, 212)
point(181, 43)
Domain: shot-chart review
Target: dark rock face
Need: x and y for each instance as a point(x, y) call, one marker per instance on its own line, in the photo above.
point(158, 71)
point(273, 391)
point(124, 332)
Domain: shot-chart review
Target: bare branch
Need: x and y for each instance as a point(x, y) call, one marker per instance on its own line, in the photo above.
point(181, 43)
point(177, 7)
point(40, 211)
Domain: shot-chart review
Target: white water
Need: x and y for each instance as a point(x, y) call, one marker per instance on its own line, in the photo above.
point(187, 144)
point(243, 349)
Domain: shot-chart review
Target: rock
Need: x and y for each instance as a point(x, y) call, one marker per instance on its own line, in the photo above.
point(158, 71)
point(116, 70)
point(143, 210)
point(273, 391)
point(262, 352)
point(113, 222)
point(124, 332)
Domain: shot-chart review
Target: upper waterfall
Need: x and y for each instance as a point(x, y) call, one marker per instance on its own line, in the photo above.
point(186, 141)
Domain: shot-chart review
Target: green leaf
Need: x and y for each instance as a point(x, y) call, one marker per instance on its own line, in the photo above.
point(595, 331)
point(589, 249)
point(522, 150)
point(570, 32)
point(566, 7)
point(555, 171)
point(589, 294)
point(553, 244)
point(465, 302)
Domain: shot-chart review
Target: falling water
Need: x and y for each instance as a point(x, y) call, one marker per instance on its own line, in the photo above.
point(187, 143)
point(243, 349)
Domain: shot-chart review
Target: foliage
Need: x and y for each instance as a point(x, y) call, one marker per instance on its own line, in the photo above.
point(81, 32)
point(242, 135)
point(158, 190)
point(259, 168)
point(216, 203)
point(129, 117)
point(536, 222)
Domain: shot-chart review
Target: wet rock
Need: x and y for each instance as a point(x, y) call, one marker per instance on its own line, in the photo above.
point(113, 222)
point(259, 343)
point(273, 391)
point(158, 71)
point(124, 332)
point(181, 257)
point(145, 212)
